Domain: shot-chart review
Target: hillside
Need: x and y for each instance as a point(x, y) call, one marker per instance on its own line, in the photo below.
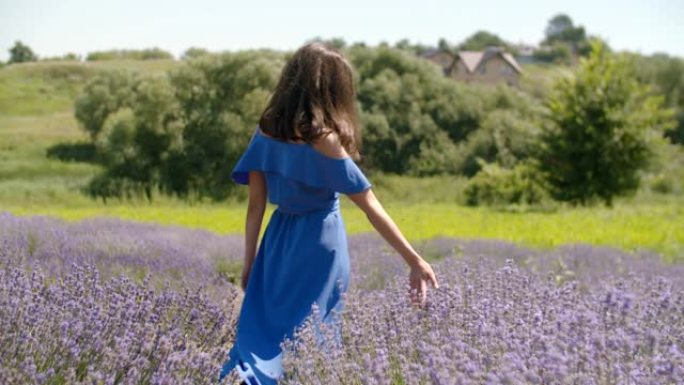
point(36, 113)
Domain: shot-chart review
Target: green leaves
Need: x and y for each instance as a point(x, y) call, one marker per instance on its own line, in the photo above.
point(103, 95)
point(179, 133)
point(418, 122)
point(603, 126)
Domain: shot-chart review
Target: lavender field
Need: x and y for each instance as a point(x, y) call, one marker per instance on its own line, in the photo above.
point(105, 301)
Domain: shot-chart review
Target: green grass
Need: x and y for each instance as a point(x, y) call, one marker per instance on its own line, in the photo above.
point(658, 227)
point(27, 176)
point(36, 113)
point(33, 89)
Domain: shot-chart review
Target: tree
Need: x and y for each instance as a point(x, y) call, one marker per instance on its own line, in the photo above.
point(396, 91)
point(561, 28)
point(180, 134)
point(415, 48)
point(336, 42)
point(603, 126)
point(562, 32)
point(220, 99)
point(483, 39)
point(443, 45)
point(103, 95)
point(130, 54)
point(194, 52)
point(416, 121)
point(667, 75)
point(69, 56)
point(404, 44)
point(136, 141)
point(557, 53)
point(21, 53)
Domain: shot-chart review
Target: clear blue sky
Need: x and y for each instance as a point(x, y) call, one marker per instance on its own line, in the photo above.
point(53, 27)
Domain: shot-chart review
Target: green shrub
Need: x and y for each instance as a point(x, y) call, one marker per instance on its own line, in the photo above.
point(21, 53)
point(416, 121)
point(116, 143)
point(131, 54)
point(494, 185)
point(662, 184)
point(104, 94)
point(604, 129)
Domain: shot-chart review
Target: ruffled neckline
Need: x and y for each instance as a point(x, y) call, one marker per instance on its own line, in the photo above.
point(299, 162)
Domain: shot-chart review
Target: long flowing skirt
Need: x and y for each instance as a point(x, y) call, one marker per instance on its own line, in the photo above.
point(302, 260)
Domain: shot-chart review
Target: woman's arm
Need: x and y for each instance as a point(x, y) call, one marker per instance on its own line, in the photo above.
point(255, 216)
point(421, 272)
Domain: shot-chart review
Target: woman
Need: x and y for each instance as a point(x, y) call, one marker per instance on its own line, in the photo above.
point(300, 158)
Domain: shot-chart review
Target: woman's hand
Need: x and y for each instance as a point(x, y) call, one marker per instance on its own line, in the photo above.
point(421, 274)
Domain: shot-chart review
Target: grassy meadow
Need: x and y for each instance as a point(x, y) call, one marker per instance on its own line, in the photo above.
point(36, 113)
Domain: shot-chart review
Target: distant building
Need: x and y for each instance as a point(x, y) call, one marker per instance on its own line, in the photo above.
point(491, 66)
point(443, 58)
point(525, 53)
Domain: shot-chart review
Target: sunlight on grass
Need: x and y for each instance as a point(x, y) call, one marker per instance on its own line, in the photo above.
point(657, 227)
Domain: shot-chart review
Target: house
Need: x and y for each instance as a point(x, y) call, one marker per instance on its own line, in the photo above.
point(491, 66)
point(443, 58)
point(525, 53)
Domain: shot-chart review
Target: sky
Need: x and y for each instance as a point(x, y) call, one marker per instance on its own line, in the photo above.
point(53, 28)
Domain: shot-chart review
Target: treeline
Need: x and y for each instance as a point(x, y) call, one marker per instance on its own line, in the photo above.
point(587, 138)
point(22, 53)
point(563, 43)
point(130, 54)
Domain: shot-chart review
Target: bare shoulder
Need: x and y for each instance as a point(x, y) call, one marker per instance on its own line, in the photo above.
point(331, 146)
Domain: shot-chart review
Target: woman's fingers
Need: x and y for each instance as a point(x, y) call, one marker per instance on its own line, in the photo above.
point(418, 291)
point(433, 280)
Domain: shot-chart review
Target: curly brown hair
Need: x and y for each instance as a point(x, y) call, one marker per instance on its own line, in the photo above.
point(315, 96)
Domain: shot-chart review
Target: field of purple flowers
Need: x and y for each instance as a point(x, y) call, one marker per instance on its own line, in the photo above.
point(104, 301)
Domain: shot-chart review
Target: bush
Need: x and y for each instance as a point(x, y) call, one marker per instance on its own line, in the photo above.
point(108, 185)
point(116, 144)
point(666, 173)
point(604, 127)
point(21, 53)
point(220, 99)
point(72, 152)
point(130, 54)
point(666, 74)
point(495, 185)
point(66, 57)
point(416, 121)
point(194, 52)
point(557, 52)
point(179, 134)
point(662, 184)
point(104, 94)
point(506, 136)
point(184, 133)
point(135, 142)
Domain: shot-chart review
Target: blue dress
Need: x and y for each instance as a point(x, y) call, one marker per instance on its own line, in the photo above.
point(302, 259)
